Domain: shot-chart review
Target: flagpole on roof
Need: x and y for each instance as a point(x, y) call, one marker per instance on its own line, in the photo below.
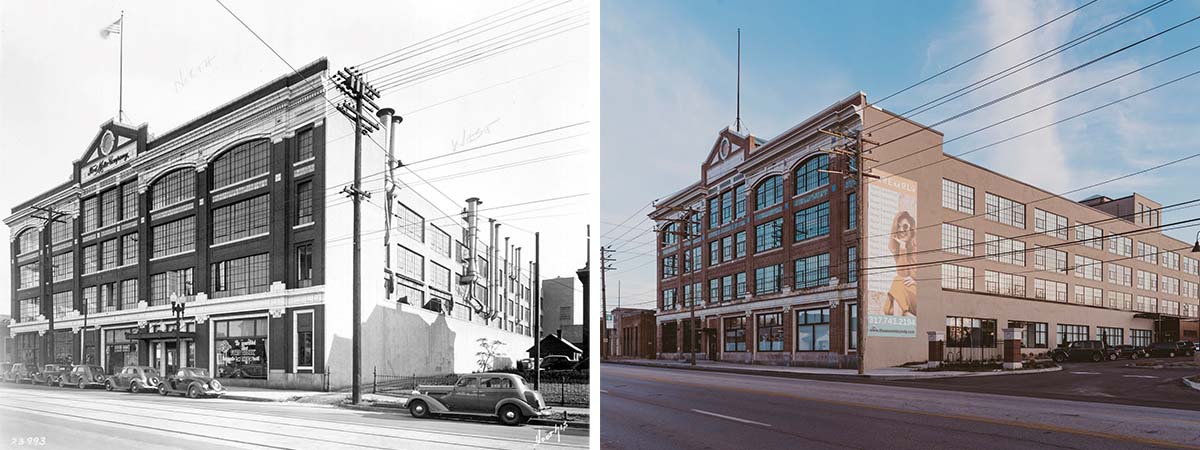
point(121, 72)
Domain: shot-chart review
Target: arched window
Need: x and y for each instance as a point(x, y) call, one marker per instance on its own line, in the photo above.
point(769, 192)
point(809, 175)
point(174, 187)
point(27, 241)
point(247, 160)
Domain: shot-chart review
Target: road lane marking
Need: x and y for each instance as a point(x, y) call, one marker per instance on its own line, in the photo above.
point(994, 421)
point(1085, 373)
point(602, 391)
point(735, 419)
point(1139, 376)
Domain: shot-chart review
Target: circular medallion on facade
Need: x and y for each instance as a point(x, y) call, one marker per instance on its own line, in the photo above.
point(723, 151)
point(106, 142)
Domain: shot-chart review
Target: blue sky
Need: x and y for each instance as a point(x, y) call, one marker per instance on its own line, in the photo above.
point(668, 85)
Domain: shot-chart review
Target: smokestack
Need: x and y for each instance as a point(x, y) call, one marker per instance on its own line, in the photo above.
point(389, 130)
point(493, 264)
point(472, 238)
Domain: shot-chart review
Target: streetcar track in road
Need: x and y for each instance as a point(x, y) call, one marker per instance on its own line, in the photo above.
point(159, 406)
point(1004, 422)
point(127, 413)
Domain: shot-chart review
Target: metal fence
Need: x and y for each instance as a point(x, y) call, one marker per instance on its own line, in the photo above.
point(556, 390)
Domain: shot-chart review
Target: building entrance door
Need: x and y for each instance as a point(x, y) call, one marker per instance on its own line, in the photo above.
point(713, 344)
point(164, 355)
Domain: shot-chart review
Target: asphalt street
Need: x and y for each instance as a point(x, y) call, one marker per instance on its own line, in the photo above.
point(97, 419)
point(651, 408)
point(1108, 382)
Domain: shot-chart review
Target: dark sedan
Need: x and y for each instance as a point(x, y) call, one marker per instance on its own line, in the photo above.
point(1130, 352)
point(21, 373)
point(192, 382)
point(50, 374)
point(84, 376)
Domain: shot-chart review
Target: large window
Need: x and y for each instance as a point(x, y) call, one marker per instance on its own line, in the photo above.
point(852, 211)
point(246, 161)
point(88, 214)
point(27, 241)
point(1005, 211)
point(31, 275)
point(304, 264)
point(1071, 333)
point(767, 280)
point(958, 240)
point(1120, 300)
point(129, 200)
point(1089, 236)
point(172, 188)
point(735, 334)
point(670, 266)
point(240, 348)
point(1050, 259)
point(129, 249)
point(304, 203)
point(1004, 250)
point(740, 284)
point(61, 230)
point(304, 145)
point(1120, 245)
point(852, 328)
point(247, 275)
point(175, 282)
point(304, 340)
point(812, 330)
point(62, 267)
point(1088, 268)
point(770, 332)
point(812, 222)
point(1147, 280)
point(812, 271)
point(174, 237)
point(809, 175)
point(1111, 336)
point(439, 277)
point(727, 206)
point(714, 251)
point(110, 202)
point(109, 254)
point(1005, 283)
point(714, 212)
point(768, 235)
point(668, 299)
point(852, 264)
point(246, 218)
point(670, 337)
point(670, 233)
point(90, 261)
point(1049, 290)
point(410, 264)
point(1035, 334)
point(1118, 274)
point(769, 192)
point(1050, 224)
point(129, 294)
point(1140, 338)
point(1170, 260)
point(30, 309)
point(1087, 295)
point(739, 239)
point(958, 197)
point(739, 201)
point(1147, 253)
point(970, 332)
point(411, 223)
point(439, 241)
point(65, 302)
point(960, 277)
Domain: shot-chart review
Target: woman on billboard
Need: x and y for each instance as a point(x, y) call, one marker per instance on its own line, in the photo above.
point(903, 292)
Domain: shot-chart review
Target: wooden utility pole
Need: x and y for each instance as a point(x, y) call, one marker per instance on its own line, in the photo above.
point(350, 81)
point(46, 269)
point(605, 258)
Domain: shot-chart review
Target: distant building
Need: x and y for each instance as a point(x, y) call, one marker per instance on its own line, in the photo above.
point(6, 340)
point(558, 304)
point(633, 333)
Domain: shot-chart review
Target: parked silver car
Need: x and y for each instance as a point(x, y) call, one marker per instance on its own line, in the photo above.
point(501, 395)
point(134, 379)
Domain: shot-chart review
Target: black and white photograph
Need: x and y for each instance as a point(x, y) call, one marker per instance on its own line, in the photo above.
point(297, 224)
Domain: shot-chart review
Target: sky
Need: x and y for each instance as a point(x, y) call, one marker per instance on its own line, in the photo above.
point(59, 83)
point(668, 86)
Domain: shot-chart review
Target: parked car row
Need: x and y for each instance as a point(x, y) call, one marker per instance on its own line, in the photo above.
point(1096, 351)
point(501, 395)
point(190, 381)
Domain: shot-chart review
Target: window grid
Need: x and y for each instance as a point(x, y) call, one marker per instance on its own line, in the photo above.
point(1087, 295)
point(769, 192)
point(173, 188)
point(1050, 259)
point(129, 249)
point(129, 294)
point(90, 261)
point(31, 275)
point(110, 201)
point(1004, 210)
point(65, 301)
point(1120, 245)
point(246, 161)
point(770, 332)
point(1089, 236)
point(959, 277)
point(88, 214)
point(246, 218)
point(410, 264)
point(1120, 300)
point(735, 334)
point(109, 254)
point(768, 235)
point(60, 231)
point(1121, 275)
point(304, 265)
point(958, 240)
point(809, 175)
point(1050, 224)
point(812, 271)
point(162, 285)
point(174, 237)
point(304, 145)
point(240, 276)
point(62, 267)
point(411, 223)
point(958, 197)
point(304, 203)
point(812, 330)
point(1049, 290)
point(1088, 268)
point(1070, 333)
point(1005, 283)
point(1005, 250)
point(811, 222)
point(129, 200)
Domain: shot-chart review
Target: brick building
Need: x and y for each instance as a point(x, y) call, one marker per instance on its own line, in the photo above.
point(632, 334)
point(237, 215)
point(771, 254)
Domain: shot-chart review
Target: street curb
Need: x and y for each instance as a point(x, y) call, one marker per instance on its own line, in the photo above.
point(832, 377)
point(252, 399)
point(1191, 384)
point(580, 425)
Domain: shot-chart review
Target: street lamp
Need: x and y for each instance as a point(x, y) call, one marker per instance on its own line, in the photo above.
point(177, 308)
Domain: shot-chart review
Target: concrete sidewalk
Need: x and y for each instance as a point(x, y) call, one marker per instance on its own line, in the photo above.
point(888, 373)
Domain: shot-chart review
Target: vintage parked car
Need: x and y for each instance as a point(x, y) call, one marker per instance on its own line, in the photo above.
point(1130, 352)
point(83, 376)
point(21, 373)
point(1094, 351)
point(193, 382)
point(4, 368)
point(50, 374)
point(501, 395)
point(134, 379)
point(557, 362)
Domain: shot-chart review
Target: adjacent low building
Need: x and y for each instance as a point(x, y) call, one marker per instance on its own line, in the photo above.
point(633, 333)
point(238, 216)
point(765, 245)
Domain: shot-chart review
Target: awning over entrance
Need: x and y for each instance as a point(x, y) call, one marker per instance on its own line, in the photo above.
point(161, 335)
point(1156, 316)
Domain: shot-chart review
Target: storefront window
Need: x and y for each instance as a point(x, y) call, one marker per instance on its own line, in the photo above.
point(119, 351)
point(812, 330)
point(240, 348)
point(770, 332)
point(304, 340)
point(735, 334)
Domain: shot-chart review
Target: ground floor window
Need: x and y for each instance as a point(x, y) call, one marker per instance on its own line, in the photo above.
point(1140, 338)
point(770, 332)
point(1035, 334)
point(735, 334)
point(670, 337)
point(119, 351)
point(240, 348)
point(812, 330)
point(304, 340)
point(63, 352)
point(1071, 333)
point(852, 312)
point(969, 332)
point(691, 336)
point(1111, 336)
point(28, 346)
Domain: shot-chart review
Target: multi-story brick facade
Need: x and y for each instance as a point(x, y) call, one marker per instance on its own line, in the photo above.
point(237, 215)
point(771, 256)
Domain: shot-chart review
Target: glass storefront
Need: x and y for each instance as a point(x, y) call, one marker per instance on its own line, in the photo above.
point(63, 344)
point(240, 348)
point(119, 351)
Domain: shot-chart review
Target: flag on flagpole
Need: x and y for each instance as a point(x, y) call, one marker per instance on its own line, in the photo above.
point(114, 28)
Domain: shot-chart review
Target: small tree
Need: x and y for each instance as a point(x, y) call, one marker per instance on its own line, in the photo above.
point(488, 353)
